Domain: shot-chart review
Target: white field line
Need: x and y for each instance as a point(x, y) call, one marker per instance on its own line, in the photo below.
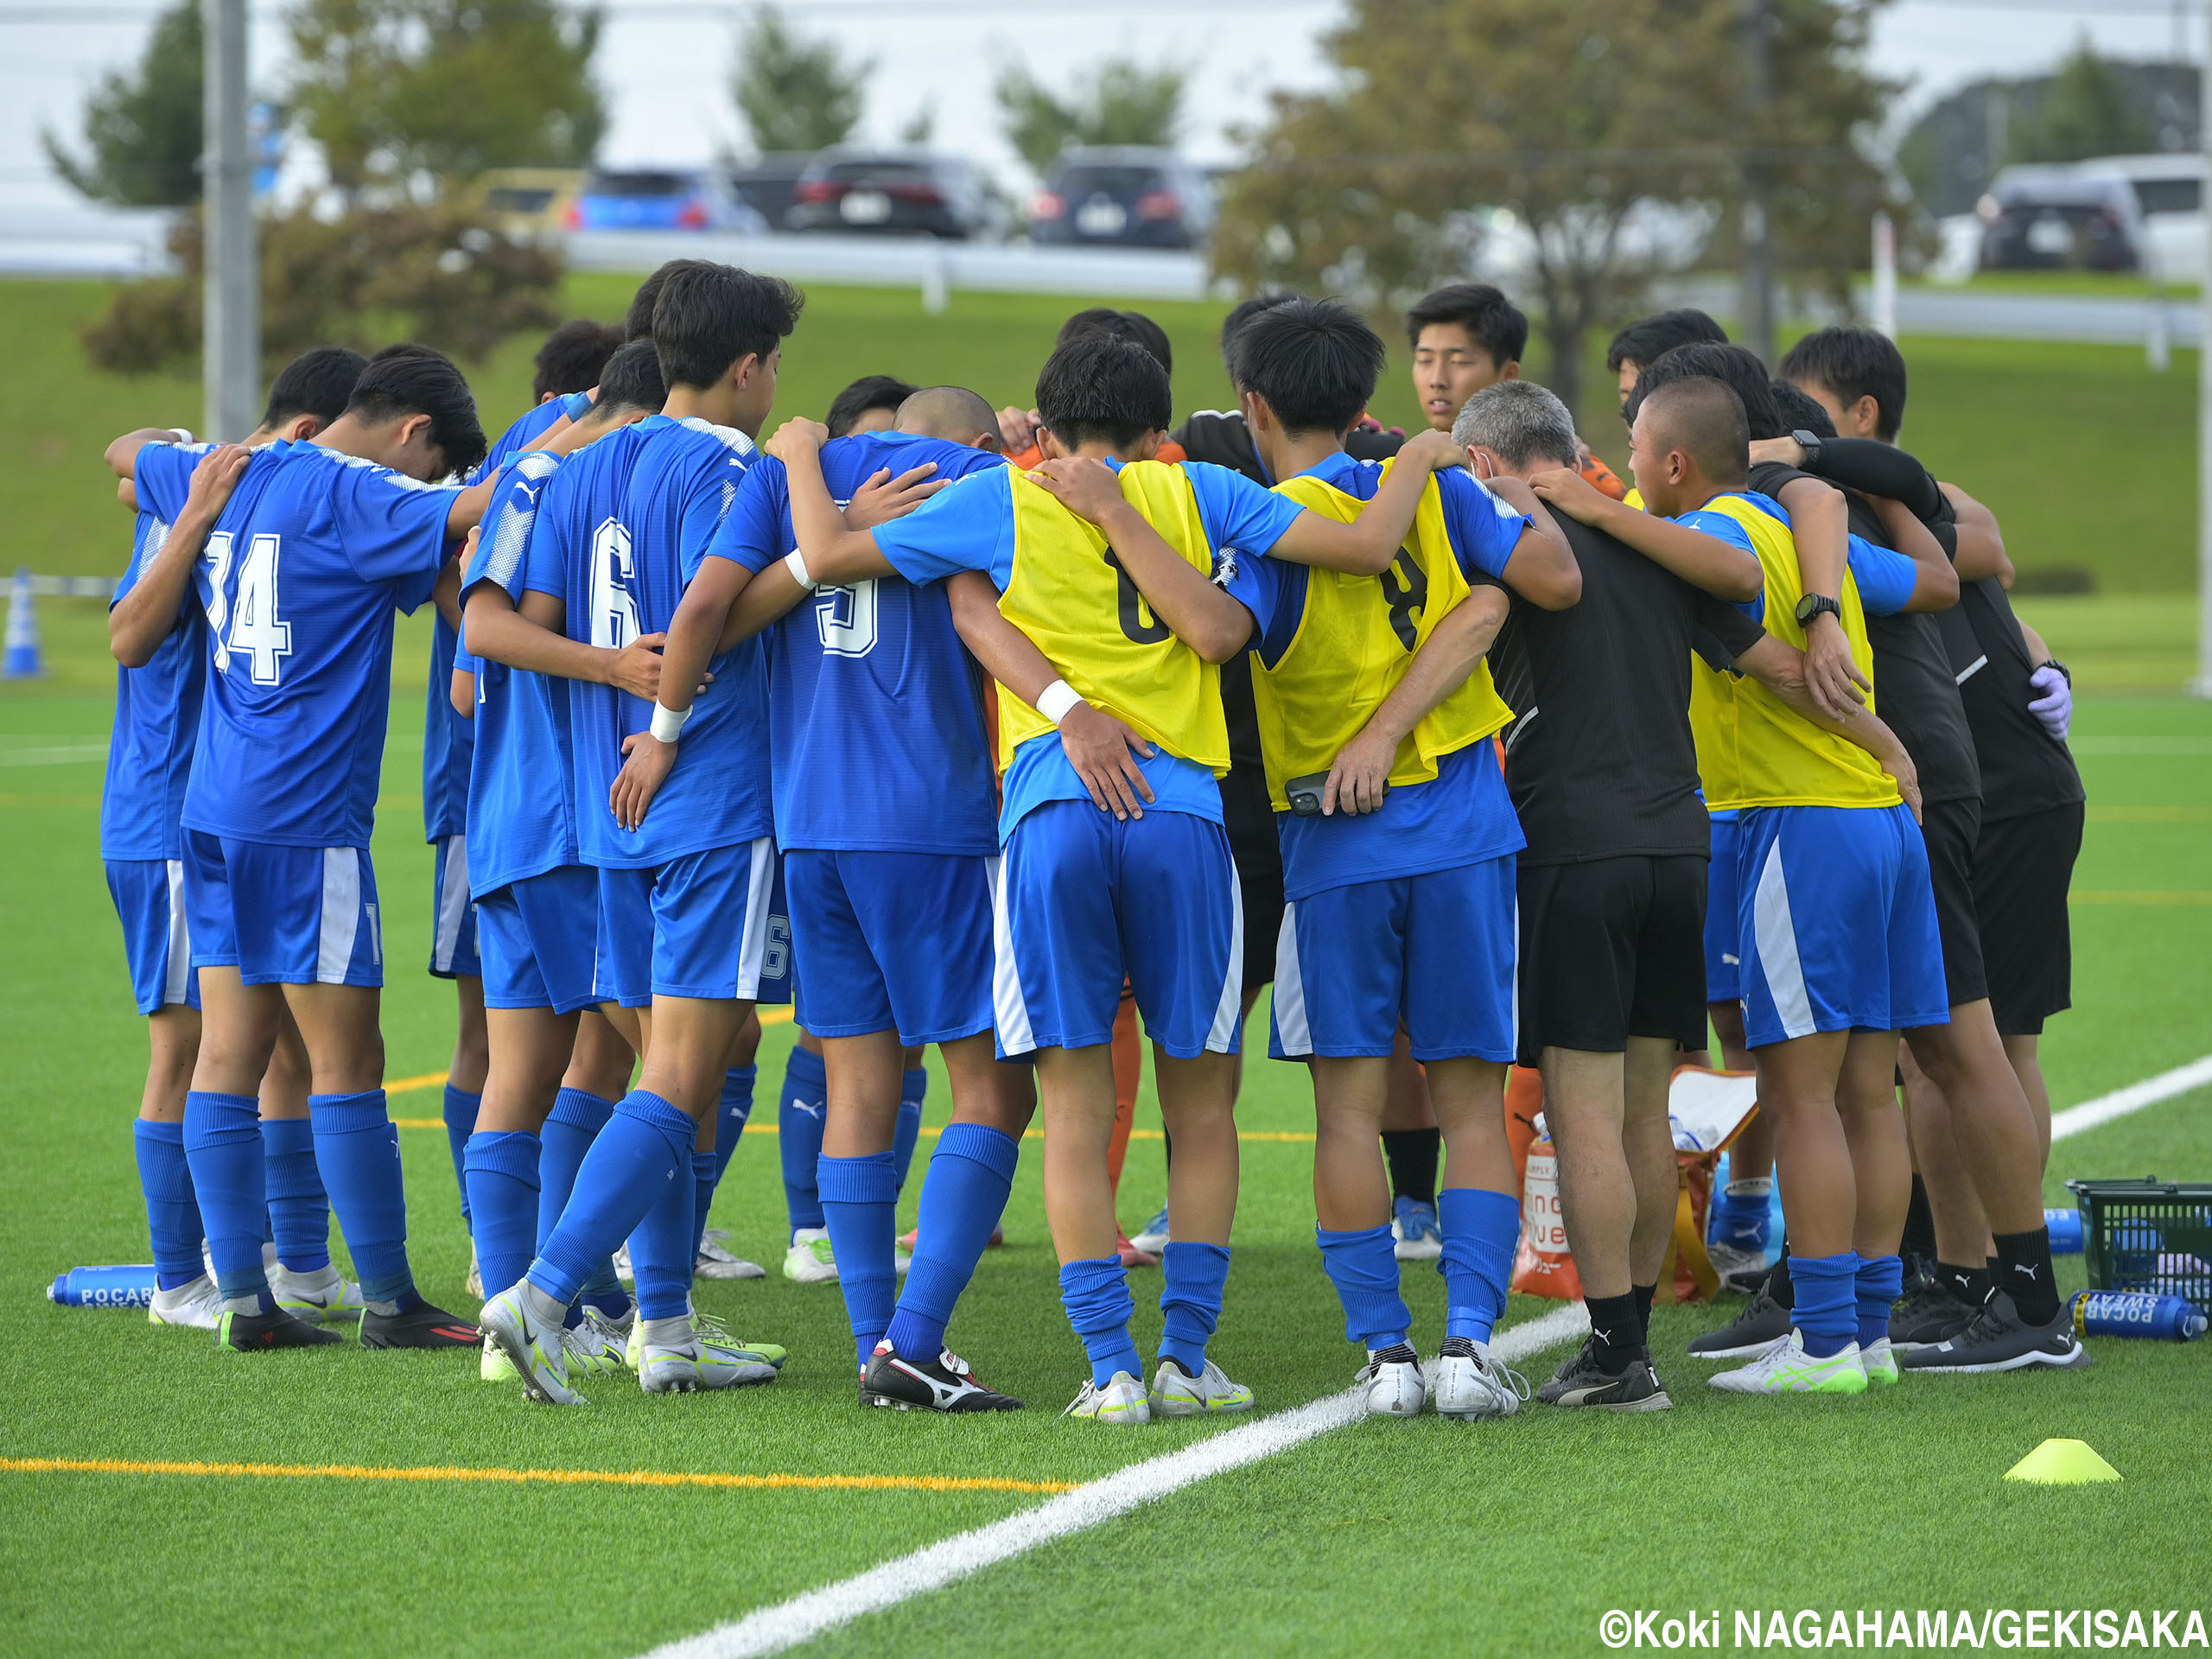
point(772, 1629)
point(2133, 1098)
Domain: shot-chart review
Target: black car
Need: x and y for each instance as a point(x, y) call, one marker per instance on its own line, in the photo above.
point(768, 183)
point(1128, 196)
point(2046, 219)
point(905, 193)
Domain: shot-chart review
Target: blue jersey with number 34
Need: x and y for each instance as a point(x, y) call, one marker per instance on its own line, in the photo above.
point(300, 578)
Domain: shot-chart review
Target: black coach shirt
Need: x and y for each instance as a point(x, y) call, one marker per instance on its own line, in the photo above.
point(2023, 768)
point(1598, 759)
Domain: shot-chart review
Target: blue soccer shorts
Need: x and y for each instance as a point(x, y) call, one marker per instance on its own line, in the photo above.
point(1435, 953)
point(540, 941)
point(1085, 899)
point(1724, 973)
point(282, 915)
point(706, 925)
point(1837, 924)
point(453, 953)
point(149, 894)
point(892, 941)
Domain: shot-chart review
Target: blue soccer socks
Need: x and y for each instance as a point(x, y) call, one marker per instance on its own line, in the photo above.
point(172, 1212)
point(572, 1126)
point(1743, 1217)
point(358, 1151)
point(734, 1113)
point(1828, 1302)
point(222, 1145)
point(1481, 1230)
point(460, 1109)
point(1364, 1267)
point(1879, 1281)
point(664, 1245)
point(914, 1088)
point(705, 1168)
point(859, 1201)
point(501, 1172)
point(800, 1111)
point(1096, 1297)
point(644, 1150)
point(964, 1195)
point(1191, 1301)
point(298, 1210)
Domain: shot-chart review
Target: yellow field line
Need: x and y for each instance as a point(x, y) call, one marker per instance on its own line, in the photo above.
point(2140, 896)
point(519, 1477)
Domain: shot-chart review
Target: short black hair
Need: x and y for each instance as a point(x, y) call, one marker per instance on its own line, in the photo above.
point(710, 316)
point(1854, 363)
point(1099, 387)
point(1244, 311)
point(630, 379)
point(1491, 321)
point(1647, 339)
point(1734, 367)
point(572, 357)
point(1122, 325)
point(1315, 361)
point(869, 391)
point(404, 381)
point(318, 383)
point(1704, 417)
point(1801, 411)
point(638, 321)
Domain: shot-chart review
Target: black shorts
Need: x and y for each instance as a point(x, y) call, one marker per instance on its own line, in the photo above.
point(1258, 856)
point(2022, 869)
point(1609, 949)
point(1950, 828)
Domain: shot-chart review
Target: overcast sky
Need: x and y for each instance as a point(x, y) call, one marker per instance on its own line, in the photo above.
point(665, 63)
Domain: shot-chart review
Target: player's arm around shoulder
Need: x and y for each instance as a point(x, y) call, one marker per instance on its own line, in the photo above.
point(1783, 670)
point(1723, 568)
point(1365, 546)
point(1361, 772)
point(829, 549)
point(1542, 567)
point(141, 619)
point(1934, 583)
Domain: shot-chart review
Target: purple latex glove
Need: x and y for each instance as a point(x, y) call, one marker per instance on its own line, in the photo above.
point(2055, 706)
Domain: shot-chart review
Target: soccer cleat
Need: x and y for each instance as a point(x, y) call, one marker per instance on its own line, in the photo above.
point(942, 1384)
point(255, 1333)
point(1928, 1313)
point(697, 1365)
point(197, 1305)
point(1468, 1384)
point(810, 1260)
point(1420, 1236)
point(1583, 1382)
point(599, 1345)
point(1999, 1340)
point(1879, 1361)
point(474, 1283)
point(322, 1298)
point(1130, 1254)
point(1176, 1393)
point(717, 1261)
point(1152, 1237)
point(713, 1330)
point(1121, 1404)
point(537, 1351)
point(1739, 1270)
point(420, 1326)
point(1784, 1367)
point(1393, 1381)
point(1755, 1330)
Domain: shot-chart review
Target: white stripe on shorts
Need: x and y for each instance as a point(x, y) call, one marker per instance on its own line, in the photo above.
point(176, 981)
point(1009, 1012)
point(759, 890)
point(1291, 1024)
point(1776, 934)
point(1230, 1008)
point(453, 904)
point(342, 914)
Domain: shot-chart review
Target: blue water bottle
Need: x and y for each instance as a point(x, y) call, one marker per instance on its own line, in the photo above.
point(2137, 1314)
point(131, 1287)
point(2065, 1231)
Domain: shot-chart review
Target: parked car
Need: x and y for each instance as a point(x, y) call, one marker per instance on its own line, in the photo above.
point(908, 192)
point(2170, 195)
point(1130, 196)
point(662, 199)
point(2055, 218)
point(766, 183)
point(527, 202)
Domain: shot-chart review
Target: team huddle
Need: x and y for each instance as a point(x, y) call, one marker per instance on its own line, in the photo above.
point(1000, 731)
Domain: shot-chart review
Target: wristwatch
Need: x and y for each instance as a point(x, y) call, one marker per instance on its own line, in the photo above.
point(2053, 662)
point(1810, 443)
point(1814, 604)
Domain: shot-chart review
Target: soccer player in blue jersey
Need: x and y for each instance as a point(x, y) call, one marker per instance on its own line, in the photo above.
point(683, 899)
point(319, 542)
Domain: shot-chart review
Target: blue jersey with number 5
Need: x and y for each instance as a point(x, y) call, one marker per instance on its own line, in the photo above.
point(621, 529)
point(300, 578)
point(874, 704)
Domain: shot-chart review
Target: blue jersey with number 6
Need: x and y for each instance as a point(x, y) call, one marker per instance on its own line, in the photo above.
point(301, 576)
point(621, 529)
point(874, 705)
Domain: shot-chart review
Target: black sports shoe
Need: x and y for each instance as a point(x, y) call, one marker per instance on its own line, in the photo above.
point(1999, 1340)
point(942, 1384)
point(254, 1333)
point(1765, 1321)
point(419, 1327)
point(1583, 1382)
point(1929, 1313)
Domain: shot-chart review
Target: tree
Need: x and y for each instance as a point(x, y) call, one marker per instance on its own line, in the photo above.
point(2087, 111)
point(145, 129)
point(794, 93)
point(393, 89)
point(1127, 103)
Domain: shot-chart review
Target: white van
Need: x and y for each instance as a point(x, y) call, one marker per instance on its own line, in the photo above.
point(2170, 189)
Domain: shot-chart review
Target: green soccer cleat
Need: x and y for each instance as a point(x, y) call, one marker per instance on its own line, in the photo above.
point(1879, 1362)
point(1121, 1404)
point(810, 1260)
point(1176, 1393)
point(679, 1360)
point(535, 1347)
point(1784, 1367)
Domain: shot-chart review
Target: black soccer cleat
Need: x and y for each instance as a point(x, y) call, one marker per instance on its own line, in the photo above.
point(419, 1327)
point(255, 1333)
point(1999, 1340)
point(1583, 1382)
point(1763, 1322)
point(1929, 1313)
point(942, 1384)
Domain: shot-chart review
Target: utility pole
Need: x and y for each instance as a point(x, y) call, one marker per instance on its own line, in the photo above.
point(2203, 684)
point(230, 372)
point(1757, 306)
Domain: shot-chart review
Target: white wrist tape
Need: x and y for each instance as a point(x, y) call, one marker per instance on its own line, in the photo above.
point(1058, 697)
point(667, 722)
point(795, 562)
point(183, 433)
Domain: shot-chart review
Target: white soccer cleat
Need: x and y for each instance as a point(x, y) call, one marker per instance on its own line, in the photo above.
point(716, 1261)
point(599, 1344)
point(1175, 1393)
point(1784, 1367)
point(1393, 1382)
point(1469, 1385)
point(1121, 1404)
point(321, 1298)
point(536, 1348)
point(1152, 1237)
point(678, 1360)
point(195, 1307)
point(810, 1260)
point(1879, 1361)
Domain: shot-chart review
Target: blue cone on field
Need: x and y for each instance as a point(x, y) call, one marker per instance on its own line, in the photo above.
point(22, 659)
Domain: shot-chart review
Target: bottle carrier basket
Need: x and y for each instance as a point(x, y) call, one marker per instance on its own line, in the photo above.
point(2149, 1236)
